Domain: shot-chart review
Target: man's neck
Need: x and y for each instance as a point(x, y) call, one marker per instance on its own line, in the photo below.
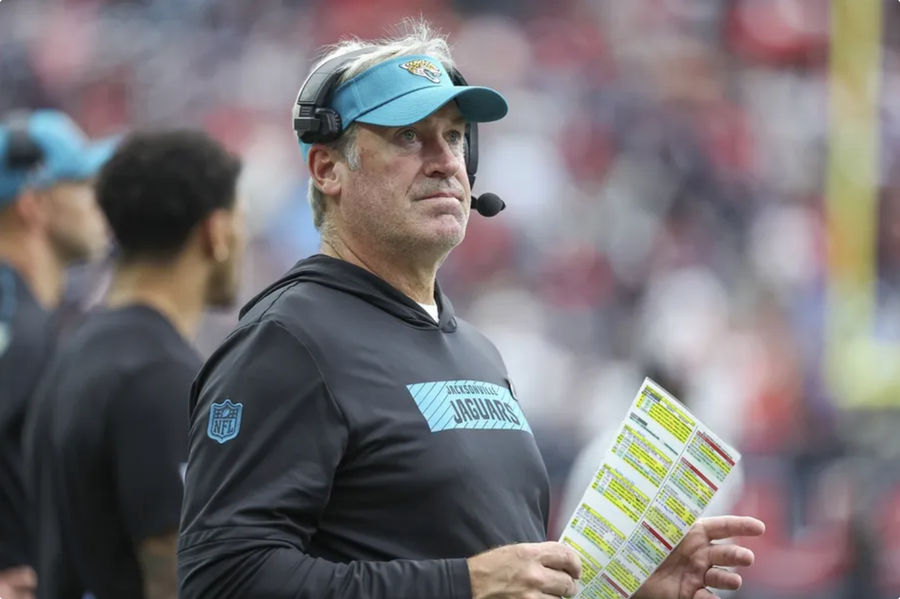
point(416, 281)
point(172, 289)
point(37, 264)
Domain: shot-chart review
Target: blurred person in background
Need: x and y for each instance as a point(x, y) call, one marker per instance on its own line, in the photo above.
point(106, 442)
point(49, 220)
point(353, 437)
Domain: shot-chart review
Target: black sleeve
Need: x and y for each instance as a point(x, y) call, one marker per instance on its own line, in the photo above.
point(149, 447)
point(255, 490)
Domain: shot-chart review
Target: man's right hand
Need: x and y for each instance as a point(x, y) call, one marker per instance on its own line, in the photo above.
point(525, 571)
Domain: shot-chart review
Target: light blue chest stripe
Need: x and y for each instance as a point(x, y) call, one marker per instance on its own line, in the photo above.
point(473, 405)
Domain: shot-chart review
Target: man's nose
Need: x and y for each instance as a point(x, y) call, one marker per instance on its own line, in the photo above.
point(443, 160)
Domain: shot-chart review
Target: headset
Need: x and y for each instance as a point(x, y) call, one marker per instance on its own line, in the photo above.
point(22, 151)
point(316, 122)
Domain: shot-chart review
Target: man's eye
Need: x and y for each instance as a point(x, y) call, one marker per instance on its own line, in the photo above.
point(454, 137)
point(408, 135)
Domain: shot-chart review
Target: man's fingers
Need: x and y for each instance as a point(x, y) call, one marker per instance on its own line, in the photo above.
point(730, 555)
point(723, 527)
point(560, 557)
point(722, 579)
point(557, 583)
point(705, 594)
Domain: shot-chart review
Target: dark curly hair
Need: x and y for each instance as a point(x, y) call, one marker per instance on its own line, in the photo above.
point(158, 186)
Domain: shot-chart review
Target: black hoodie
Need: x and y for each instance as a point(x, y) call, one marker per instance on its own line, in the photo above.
point(344, 445)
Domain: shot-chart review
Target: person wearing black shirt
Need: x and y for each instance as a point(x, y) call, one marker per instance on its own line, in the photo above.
point(48, 221)
point(107, 442)
point(355, 438)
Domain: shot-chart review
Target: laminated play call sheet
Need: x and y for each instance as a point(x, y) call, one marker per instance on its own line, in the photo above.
point(661, 472)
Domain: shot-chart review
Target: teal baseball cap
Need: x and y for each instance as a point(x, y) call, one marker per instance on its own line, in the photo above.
point(63, 152)
point(406, 89)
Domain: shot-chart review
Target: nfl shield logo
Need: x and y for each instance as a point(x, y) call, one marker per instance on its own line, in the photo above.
point(224, 421)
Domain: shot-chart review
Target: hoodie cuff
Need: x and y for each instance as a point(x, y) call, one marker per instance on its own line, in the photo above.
point(460, 582)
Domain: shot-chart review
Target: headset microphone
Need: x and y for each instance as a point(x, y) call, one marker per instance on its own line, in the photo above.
point(488, 204)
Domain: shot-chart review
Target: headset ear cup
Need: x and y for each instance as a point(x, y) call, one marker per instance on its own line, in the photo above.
point(467, 153)
point(466, 148)
point(471, 152)
point(330, 125)
point(315, 121)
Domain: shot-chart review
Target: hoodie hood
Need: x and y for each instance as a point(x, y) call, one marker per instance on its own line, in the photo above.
point(349, 278)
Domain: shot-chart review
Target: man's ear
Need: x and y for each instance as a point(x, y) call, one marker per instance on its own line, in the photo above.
point(216, 232)
point(322, 162)
point(32, 207)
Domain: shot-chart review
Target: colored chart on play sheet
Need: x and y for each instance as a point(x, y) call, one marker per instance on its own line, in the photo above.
point(663, 469)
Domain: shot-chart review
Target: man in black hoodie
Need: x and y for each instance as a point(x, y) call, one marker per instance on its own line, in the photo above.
point(353, 438)
point(105, 440)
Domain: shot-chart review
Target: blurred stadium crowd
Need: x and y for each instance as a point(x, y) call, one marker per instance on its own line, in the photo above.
point(663, 164)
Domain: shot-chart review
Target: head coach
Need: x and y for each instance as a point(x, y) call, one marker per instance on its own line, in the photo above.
point(354, 438)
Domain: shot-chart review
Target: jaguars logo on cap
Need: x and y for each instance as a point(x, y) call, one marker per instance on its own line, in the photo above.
point(423, 68)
